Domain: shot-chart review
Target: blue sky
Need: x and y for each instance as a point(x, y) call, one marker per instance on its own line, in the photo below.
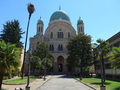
point(101, 17)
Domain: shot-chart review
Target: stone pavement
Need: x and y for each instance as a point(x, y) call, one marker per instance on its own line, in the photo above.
point(61, 82)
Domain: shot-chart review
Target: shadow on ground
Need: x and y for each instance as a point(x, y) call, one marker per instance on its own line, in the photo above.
point(98, 83)
point(117, 88)
point(65, 76)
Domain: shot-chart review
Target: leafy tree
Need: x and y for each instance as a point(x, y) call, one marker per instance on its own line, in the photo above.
point(35, 63)
point(9, 58)
point(115, 57)
point(42, 51)
point(79, 51)
point(12, 33)
point(46, 63)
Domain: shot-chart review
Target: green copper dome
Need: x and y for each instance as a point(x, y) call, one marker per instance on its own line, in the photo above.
point(80, 21)
point(40, 21)
point(59, 15)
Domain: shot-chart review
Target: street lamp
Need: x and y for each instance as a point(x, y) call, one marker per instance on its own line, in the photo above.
point(30, 10)
point(28, 79)
point(45, 69)
point(102, 86)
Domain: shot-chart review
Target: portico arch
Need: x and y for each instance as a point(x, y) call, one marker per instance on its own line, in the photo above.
point(60, 63)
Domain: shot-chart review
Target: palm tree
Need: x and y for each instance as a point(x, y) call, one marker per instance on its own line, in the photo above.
point(35, 63)
point(9, 58)
point(115, 57)
point(102, 44)
point(103, 51)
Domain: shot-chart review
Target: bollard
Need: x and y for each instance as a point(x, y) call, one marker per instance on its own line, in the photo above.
point(102, 88)
point(21, 88)
point(17, 88)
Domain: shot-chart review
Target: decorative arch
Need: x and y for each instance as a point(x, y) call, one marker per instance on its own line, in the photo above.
point(60, 63)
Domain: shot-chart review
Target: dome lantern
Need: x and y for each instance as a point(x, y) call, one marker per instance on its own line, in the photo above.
point(80, 21)
point(40, 21)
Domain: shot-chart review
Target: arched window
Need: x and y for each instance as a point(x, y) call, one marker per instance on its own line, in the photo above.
point(68, 34)
point(37, 42)
point(60, 47)
point(39, 29)
point(51, 35)
point(60, 35)
point(51, 48)
point(81, 29)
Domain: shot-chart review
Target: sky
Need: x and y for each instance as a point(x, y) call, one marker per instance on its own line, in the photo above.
point(101, 17)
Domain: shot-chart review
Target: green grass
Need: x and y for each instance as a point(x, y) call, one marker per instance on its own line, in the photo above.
point(110, 85)
point(18, 80)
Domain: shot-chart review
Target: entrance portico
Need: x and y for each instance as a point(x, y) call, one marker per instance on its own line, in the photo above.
point(59, 65)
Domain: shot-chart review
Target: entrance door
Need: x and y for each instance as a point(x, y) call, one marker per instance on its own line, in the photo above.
point(60, 67)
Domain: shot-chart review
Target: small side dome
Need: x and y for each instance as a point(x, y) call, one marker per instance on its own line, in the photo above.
point(80, 21)
point(40, 21)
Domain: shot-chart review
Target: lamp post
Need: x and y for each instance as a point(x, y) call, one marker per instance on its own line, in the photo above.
point(102, 86)
point(45, 70)
point(30, 10)
point(28, 78)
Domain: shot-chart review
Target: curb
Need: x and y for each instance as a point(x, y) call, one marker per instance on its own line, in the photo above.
point(86, 84)
point(13, 83)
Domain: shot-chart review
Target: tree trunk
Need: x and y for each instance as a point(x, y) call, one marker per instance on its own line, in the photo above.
point(33, 71)
point(1, 78)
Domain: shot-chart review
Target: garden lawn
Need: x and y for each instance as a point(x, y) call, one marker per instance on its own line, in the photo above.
point(17, 80)
point(96, 82)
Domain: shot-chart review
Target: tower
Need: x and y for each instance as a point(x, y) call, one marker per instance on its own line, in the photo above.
point(80, 25)
point(40, 26)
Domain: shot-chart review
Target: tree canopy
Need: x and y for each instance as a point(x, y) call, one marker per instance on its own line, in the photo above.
point(79, 50)
point(35, 63)
point(12, 33)
point(47, 63)
point(42, 51)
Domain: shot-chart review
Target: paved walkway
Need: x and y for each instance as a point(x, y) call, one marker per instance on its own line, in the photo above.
point(33, 85)
point(61, 82)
